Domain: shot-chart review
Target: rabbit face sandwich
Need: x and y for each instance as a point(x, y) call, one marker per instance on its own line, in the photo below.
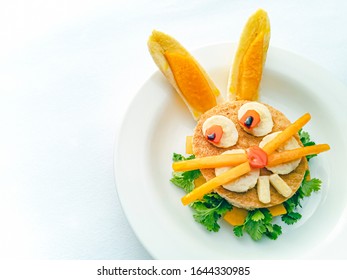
point(252, 190)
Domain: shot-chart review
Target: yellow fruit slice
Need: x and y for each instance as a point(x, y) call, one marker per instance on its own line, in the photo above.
point(247, 69)
point(277, 210)
point(191, 83)
point(189, 145)
point(236, 216)
point(184, 73)
point(199, 181)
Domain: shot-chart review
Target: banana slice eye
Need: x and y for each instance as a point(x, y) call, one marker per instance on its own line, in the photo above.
point(220, 131)
point(255, 118)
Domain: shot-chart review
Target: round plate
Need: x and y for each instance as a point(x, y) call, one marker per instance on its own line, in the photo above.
point(156, 125)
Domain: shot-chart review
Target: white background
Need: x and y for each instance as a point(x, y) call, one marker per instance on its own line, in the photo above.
point(68, 71)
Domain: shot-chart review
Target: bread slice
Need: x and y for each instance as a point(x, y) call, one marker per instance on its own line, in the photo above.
point(248, 200)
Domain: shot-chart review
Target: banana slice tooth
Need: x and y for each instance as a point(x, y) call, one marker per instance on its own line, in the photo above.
point(266, 123)
point(184, 73)
point(245, 182)
point(263, 189)
point(247, 68)
point(284, 168)
point(280, 185)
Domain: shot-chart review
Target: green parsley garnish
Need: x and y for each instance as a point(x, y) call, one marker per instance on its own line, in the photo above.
point(305, 190)
point(306, 141)
point(257, 224)
point(209, 209)
point(184, 180)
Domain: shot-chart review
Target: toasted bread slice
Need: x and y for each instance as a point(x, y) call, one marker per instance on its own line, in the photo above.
point(247, 68)
point(184, 73)
point(249, 199)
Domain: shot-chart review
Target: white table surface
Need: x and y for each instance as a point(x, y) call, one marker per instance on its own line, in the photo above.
point(68, 71)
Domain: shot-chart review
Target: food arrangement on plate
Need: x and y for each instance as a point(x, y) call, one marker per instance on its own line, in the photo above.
point(247, 163)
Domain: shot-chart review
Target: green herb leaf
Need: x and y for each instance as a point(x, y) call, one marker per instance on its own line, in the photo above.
point(257, 216)
point(179, 157)
point(257, 224)
point(306, 141)
point(255, 229)
point(238, 230)
point(310, 186)
point(305, 190)
point(209, 209)
point(291, 218)
point(274, 233)
point(184, 180)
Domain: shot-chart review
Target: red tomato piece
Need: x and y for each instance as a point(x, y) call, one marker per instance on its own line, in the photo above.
point(250, 119)
point(257, 157)
point(214, 133)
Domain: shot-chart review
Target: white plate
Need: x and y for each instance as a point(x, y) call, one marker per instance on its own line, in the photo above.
point(158, 121)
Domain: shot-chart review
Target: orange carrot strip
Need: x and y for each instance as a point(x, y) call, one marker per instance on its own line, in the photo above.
point(282, 137)
point(209, 162)
point(210, 185)
point(289, 155)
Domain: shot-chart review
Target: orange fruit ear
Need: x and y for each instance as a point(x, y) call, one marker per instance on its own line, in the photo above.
point(247, 69)
point(191, 82)
point(184, 73)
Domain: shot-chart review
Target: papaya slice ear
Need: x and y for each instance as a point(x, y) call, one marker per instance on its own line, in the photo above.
point(184, 73)
point(247, 69)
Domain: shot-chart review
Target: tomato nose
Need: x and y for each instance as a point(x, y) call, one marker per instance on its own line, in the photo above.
point(257, 157)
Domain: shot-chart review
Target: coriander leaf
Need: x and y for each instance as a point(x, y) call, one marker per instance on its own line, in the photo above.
point(306, 141)
point(257, 216)
point(179, 157)
point(238, 230)
point(257, 224)
point(290, 205)
point(209, 209)
point(255, 229)
point(308, 157)
point(304, 136)
point(291, 217)
point(275, 232)
point(267, 216)
point(179, 180)
point(310, 186)
point(305, 190)
point(184, 180)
